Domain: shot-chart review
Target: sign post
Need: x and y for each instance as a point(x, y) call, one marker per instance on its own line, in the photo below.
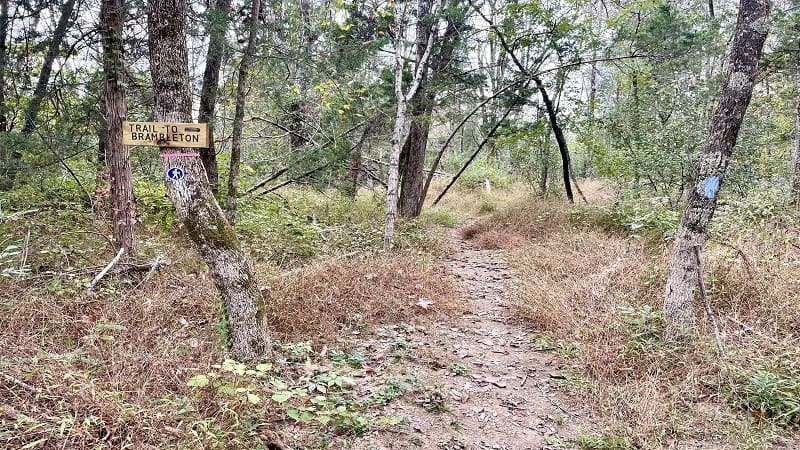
point(165, 134)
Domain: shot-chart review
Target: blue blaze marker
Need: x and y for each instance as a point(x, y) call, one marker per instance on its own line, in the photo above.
point(711, 187)
point(175, 174)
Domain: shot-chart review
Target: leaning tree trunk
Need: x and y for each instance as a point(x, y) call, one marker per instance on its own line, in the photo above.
point(238, 117)
point(29, 125)
point(562, 142)
point(751, 31)
point(796, 159)
point(217, 26)
point(189, 190)
point(112, 15)
point(47, 66)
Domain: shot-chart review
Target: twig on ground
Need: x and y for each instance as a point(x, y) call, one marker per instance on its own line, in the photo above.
point(709, 312)
point(20, 383)
point(149, 272)
point(24, 257)
point(107, 268)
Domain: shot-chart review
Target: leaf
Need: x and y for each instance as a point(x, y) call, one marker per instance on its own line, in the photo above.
point(424, 303)
point(323, 419)
point(264, 367)
point(34, 443)
point(198, 381)
point(293, 413)
point(281, 397)
point(253, 398)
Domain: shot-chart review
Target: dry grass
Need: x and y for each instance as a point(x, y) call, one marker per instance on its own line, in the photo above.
point(325, 300)
point(109, 369)
point(592, 289)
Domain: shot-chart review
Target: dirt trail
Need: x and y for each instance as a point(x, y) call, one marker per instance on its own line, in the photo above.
point(482, 384)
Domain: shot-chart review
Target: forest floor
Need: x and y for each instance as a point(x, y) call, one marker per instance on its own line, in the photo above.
point(502, 321)
point(487, 385)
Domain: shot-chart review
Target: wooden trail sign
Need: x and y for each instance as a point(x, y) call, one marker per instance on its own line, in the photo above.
point(165, 134)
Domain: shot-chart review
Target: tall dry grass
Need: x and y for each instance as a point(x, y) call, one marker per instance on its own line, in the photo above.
point(601, 292)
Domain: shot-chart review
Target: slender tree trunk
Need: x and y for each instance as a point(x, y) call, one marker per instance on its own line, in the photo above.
point(412, 159)
point(47, 66)
point(3, 64)
point(562, 142)
point(238, 117)
point(189, 189)
point(751, 31)
point(796, 159)
point(7, 162)
point(474, 154)
point(119, 158)
point(217, 26)
point(545, 160)
point(399, 132)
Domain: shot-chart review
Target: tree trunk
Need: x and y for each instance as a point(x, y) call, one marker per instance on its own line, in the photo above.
point(796, 159)
point(562, 142)
point(47, 67)
point(12, 160)
point(217, 26)
point(412, 159)
point(412, 168)
point(188, 187)
point(3, 64)
point(399, 132)
point(751, 31)
point(112, 16)
point(238, 117)
point(545, 160)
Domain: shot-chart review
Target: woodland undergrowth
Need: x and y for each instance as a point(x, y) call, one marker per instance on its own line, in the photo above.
point(590, 284)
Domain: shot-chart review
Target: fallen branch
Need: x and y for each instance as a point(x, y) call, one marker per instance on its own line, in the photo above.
point(149, 272)
point(267, 180)
point(107, 268)
point(17, 382)
point(474, 154)
point(709, 312)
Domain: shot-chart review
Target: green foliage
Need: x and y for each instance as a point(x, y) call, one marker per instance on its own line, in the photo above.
point(771, 394)
point(10, 262)
point(604, 443)
point(643, 326)
point(636, 220)
point(481, 170)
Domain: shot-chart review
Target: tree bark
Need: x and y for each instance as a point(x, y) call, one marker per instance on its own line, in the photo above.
point(197, 208)
point(562, 142)
point(3, 63)
point(412, 173)
point(795, 194)
point(412, 164)
point(47, 66)
point(238, 117)
point(412, 158)
point(217, 26)
point(399, 132)
point(112, 16)
point(751, 31)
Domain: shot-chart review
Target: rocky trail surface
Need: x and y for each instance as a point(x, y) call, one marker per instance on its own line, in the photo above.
point(481, 382)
